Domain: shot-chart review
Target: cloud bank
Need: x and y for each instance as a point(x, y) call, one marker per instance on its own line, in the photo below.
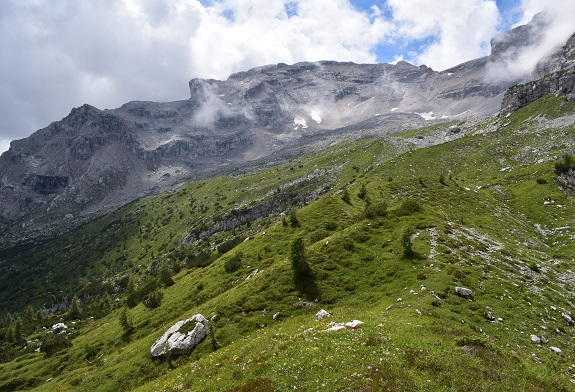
point(61, 54)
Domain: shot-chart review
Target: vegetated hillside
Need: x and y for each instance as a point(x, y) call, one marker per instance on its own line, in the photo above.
point(390, 227)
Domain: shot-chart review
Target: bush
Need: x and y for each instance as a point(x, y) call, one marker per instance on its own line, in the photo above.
point(226, 246)
point(406, 243)
point(298, 258)
point(125, 321)
point(154, 299)
point(373, 211)
point(534, 267)
point(345, 196)
point(541, 181)
point(234, 263)
point(294, 222)
point(331, 226)
point(52, 343)
point(408, 207)
point(442, 179)
point(362, 192)
point(564, 166)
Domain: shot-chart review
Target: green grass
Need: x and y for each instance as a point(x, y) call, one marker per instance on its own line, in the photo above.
point(489, 226)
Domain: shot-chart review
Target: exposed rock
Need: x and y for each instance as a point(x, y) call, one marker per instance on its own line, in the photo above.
point(464, 292)
point(454, 129)
point(321, 314)
point(253, 273)
point(555, 350)
point(179, 342)
point(351, 325)
point(336, 327)
point(535, 339)
point(568, 318)
point(59, 328)
point(368, 169)
point(487, 314)
point(355, 324)
point(554, 75)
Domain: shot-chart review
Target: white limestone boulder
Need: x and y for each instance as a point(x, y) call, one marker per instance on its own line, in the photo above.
point(181, 337)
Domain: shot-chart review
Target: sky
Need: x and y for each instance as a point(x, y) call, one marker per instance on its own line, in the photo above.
point(60, 54)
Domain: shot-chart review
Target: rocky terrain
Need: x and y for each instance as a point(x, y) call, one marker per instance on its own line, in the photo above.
point(94, 161)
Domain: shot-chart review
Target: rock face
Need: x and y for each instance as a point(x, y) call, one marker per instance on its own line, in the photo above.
point(555, 75)
point(181, 337)
point(94, 161)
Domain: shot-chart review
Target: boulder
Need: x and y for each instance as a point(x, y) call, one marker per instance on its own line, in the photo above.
point(321, 314)
point(463, 292)
point(351, 325)
point(181, 337)
point(355, 324)
point(336, 327)
point(59, 328)
point(535, 339)
point(556, 350)
point(488, 315)
point(568, 318)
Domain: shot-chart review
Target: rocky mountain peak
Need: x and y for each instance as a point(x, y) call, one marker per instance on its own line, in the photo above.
point(509, 43)
point(95, 160)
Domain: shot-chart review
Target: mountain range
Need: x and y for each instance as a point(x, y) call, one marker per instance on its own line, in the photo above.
point(94, 161)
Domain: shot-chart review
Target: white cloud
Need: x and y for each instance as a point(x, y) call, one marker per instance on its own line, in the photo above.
point(255, 35)
point(58, 55)
point(461, 29)
point(61, 54)
point(4, 145)
point(520, 65)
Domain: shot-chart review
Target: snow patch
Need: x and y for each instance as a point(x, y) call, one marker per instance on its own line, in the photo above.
point(393, 109)
point(449, 73)
point(298, 122)
point(315, 116)
point(427, 116)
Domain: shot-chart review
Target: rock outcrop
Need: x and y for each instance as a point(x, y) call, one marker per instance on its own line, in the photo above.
point(181, 337)
point(556, 75)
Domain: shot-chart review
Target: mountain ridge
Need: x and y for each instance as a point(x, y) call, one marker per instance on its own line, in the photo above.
point(94, 161)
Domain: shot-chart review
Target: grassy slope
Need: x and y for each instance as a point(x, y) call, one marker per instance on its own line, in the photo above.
point(477, 230)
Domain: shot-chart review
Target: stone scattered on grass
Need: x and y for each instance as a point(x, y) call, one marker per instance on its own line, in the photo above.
point(535, 339)
point(464, 292)
point(555, 350)
point(351, 325)
point(321, 314)
point(568, 318)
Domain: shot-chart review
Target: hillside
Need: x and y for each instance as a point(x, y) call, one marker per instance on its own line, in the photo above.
point(390, 226)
